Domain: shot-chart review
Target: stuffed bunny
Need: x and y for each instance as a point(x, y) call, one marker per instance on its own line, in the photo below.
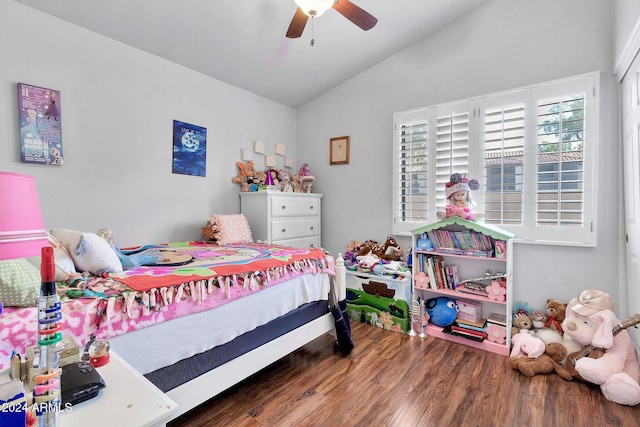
point(617, 371)
point(525, 344)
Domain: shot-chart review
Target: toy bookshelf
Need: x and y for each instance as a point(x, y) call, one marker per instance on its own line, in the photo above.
point(469, 262)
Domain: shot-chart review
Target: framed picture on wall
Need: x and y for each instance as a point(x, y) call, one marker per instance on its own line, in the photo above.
point(189, 149)
point(40, 125)
point(339, 150)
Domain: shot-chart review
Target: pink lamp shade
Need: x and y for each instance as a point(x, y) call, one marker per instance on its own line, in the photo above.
point(22, 232)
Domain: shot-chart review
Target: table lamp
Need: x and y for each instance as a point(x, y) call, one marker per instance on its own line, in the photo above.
point(22, 234)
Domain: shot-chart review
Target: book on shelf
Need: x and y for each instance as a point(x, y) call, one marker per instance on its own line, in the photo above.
point(463, 334)
point(497, 319)
point(467, 331)
point(480, 325)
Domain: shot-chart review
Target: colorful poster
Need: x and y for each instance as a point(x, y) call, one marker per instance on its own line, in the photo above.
point(189, 149)
point(40, 125)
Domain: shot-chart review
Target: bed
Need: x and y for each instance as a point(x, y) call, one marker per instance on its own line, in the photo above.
point(196, 329)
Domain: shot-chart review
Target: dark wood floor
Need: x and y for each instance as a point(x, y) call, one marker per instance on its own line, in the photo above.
point(391, 379)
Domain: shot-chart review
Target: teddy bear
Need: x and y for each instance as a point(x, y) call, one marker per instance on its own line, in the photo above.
point(530, 356)
point(521, 322)
point(555, 315)
point(457, 192)
point(589, 320)
point(246, 177)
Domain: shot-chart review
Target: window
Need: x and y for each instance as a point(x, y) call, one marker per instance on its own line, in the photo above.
point(532, 149)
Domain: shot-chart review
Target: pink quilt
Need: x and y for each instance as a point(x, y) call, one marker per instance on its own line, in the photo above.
point(144, 296)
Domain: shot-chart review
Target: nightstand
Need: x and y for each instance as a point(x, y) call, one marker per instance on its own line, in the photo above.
point(129, 399)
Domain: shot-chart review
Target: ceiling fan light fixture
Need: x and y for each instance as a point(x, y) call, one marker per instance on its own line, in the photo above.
point(315, 8)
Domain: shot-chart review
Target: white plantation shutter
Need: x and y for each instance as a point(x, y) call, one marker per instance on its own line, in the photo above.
point(503, 135)
point(562, 203)
point(410, 172)
point(452, 145)
point(532, 149)
point(560, 167)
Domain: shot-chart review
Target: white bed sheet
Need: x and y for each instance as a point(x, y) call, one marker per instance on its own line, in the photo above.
point(166, 343)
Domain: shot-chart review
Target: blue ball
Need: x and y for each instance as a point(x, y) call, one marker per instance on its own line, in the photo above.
point(442, 311)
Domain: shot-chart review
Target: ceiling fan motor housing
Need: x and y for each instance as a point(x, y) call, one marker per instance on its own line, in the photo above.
point(315, 8)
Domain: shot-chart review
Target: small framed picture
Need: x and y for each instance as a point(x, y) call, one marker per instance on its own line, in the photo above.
point(258, 147)
point(339, 151)
point(270, 161)
point(288, 162)
point(280, 148)
point(246, 154)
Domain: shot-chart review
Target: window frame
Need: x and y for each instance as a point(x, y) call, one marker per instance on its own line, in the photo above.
point(574, 235)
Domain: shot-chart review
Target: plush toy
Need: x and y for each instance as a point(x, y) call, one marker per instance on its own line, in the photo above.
point(457, 191)
point(589, 320)
point(295, 183)
point(555, 315)
point(545, 363)
point(538, 319)
point(525, 344)
point(261, 177)
point(521, 323)
point(442, 311)
point(246, 177)
point(283, 180)
point(306, 179)
point(425, 244)
point(390, 250)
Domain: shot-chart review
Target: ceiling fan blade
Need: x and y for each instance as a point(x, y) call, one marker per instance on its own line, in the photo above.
point(356, 14)
point(297, 24)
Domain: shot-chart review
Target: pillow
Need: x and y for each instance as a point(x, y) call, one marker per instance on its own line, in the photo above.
point(231, 229)
point(62, 259)
point(89, 252)
point(19, 283)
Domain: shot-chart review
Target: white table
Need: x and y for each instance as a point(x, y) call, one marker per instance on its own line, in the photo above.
point(129, 399)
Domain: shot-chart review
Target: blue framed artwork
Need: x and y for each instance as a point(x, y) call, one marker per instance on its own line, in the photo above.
point(189, 149)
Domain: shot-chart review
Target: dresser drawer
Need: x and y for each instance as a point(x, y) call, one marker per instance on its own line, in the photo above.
point(294, 206)
point(292, 228)
point(305, 242)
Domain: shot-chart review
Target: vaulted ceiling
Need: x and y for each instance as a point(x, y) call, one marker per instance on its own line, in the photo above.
point(243, 43)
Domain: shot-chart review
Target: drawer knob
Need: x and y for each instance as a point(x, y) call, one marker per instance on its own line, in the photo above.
point(311, 228)
point(311, 207)
point(284, 229)
point(284, 206)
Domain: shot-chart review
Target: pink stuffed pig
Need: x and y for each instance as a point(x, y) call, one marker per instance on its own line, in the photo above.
point(617, 372)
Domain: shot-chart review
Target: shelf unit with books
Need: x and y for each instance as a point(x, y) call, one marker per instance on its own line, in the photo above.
point(471, 263)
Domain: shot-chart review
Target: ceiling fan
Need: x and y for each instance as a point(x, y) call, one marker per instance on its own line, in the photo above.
point(315, 8)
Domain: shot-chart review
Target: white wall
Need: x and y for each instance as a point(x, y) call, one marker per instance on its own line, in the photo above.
point(627, 14)
point(500, 45)
point(118, 106)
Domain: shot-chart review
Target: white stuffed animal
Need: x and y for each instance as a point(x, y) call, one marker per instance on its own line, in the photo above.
point(617, 371)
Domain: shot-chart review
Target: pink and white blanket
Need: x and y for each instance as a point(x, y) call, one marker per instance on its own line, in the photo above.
point(126, 301)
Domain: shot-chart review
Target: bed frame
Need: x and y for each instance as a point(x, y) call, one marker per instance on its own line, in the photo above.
point(202, 388)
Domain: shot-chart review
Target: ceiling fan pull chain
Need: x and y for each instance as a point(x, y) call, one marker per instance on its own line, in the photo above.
point(313, 42)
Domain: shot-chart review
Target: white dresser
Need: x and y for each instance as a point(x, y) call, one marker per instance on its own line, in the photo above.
point(288, 219)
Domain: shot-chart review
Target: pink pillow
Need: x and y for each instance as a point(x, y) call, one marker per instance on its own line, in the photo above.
point(231, 229)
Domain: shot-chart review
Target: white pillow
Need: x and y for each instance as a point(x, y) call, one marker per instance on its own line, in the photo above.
point(89, 251)
point(61, 257)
